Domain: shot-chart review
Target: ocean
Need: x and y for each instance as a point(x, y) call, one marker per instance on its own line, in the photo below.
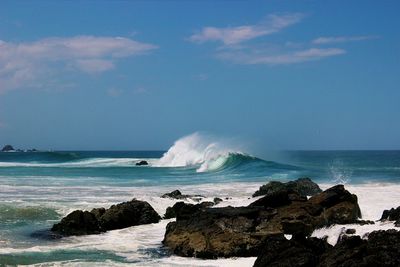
point(38, 188)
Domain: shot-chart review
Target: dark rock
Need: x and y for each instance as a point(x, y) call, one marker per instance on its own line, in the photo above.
point(217, 200)
point(381, 249)
point(183, 210)
point(142, 163)
point(278, 198)
point(363, 222)
point(126, 214)
point(392, 215)
point(350, 231)
point(7, 148)
point(98, 212)
point(77, 223)
point(176, 194)
point(303, 186)
point(278, 251)
point(241, 231)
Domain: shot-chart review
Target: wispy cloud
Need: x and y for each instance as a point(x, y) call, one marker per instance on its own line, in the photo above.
point(235, 35)
point(114, 92)
point(242, 47)
point(300, 56)
point(342, 39)
point(24, 64)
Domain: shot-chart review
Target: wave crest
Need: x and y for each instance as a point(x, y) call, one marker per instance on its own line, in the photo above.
point(198, 150)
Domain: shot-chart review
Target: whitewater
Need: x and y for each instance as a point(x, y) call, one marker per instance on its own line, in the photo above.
point(38, 189)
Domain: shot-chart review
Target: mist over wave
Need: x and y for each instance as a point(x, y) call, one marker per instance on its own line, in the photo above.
point(205, 152)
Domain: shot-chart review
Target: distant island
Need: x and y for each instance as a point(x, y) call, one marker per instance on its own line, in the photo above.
point(10, 148)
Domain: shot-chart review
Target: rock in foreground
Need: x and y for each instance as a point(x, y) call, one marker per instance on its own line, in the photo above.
point(303, 186)
point(229, 232)
point(381, 249)
point(126, 214)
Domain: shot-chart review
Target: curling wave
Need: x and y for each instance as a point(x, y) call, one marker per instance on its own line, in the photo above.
point(209, 154)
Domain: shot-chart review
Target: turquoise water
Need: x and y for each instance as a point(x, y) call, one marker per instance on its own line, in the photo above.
point(37, 189)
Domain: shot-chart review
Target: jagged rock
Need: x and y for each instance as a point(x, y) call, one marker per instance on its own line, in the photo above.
point(184, 210)
point(392, 215)
point(278, 251)
point(142, 163)
point(217, 200)
point(381, 249)
point(303, 186)
point(126, 214)
point(176, 194)
point(7, 148)
point(228, 231)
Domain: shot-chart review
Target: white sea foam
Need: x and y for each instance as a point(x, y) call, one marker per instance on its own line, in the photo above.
point(197, 150)
point(87, 163)
point(135, 243)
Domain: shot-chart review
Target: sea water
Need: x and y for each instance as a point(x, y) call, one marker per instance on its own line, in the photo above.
point(38, 188)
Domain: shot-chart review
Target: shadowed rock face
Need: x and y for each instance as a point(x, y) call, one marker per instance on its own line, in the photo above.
point(303, 186)
point(392, 215)
point(381, 249)
point(278, 251)
point(228, 231)
point(182, 210)
point(126, 214)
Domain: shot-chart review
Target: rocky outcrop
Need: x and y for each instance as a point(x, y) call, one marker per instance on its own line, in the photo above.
point(382, 248)
point(228, 231)
point(7, 148)
point(392, 215)
point(303, 186)
point(126, 214)
point(176, 194)
point(142, 163)
point(184, 210)
point(303, 252)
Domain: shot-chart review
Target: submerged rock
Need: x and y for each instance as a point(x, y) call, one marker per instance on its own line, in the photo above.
point(176, 194)
point(126, 214)
point(241, 231)
point(217, 200)
point(303, 186)
point(142, 163)
point(7, 148)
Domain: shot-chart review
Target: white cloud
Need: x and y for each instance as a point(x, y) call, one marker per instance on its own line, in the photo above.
point(341, 39)
point(235, 35)
point(28, 63)
point(94, 65)
point(281, 58)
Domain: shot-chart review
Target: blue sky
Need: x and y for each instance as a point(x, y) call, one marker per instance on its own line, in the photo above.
point(139, 75)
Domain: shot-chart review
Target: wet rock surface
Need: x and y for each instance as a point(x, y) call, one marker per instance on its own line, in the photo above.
point(303, 186)
point(126, 214)
point(392, 215)
point(241, 231)
point(382, 248)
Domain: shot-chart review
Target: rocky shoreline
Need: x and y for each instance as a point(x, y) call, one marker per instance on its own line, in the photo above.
point(276, 227)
